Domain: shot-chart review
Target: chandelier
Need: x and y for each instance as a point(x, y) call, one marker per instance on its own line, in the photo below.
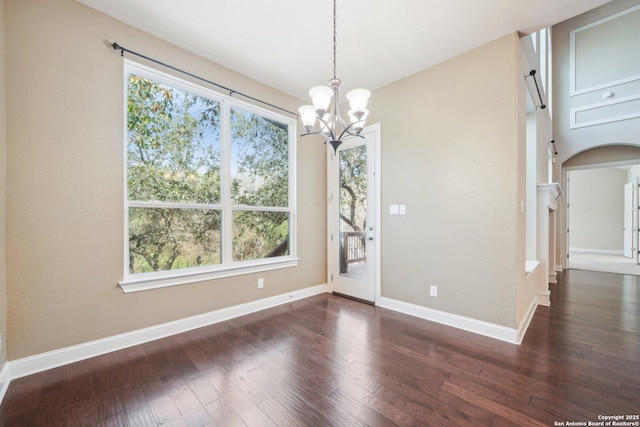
point(325, 111)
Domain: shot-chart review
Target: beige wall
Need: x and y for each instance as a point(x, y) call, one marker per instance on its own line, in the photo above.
point(3, 192)
point(65, 184)
point(596, 199)
point(450, 153)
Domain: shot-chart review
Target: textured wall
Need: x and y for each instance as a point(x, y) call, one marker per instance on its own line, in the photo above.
point(65, 184)
point(450, 153)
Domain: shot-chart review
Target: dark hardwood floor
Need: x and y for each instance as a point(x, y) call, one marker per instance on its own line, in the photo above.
point(331, 361)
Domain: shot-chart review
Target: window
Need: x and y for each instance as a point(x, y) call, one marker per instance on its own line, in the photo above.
point(209, 183)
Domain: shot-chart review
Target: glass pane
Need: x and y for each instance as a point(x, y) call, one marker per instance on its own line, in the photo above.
point(169, 239)
point(259, 160)
point(260, 235)
point(173, 144)
point(353, 212)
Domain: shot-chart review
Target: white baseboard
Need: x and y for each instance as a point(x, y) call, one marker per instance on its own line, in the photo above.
point(544, 298)
point(558, 268)
point(526, 321)
point(480, 327)
point(596, 251)
point(5, 379)
point(52, 359)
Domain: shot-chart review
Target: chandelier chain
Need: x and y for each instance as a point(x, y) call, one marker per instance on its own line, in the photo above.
point(335, 39)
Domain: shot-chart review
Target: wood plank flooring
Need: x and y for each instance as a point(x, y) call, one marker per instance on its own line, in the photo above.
point(331, 361)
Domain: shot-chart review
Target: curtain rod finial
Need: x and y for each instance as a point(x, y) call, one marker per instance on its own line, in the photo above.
point(116, 46)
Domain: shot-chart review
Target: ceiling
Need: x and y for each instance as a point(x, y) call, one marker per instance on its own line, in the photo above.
point(287, 44)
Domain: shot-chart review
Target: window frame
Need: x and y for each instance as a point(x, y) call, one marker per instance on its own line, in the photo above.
point(133, 282)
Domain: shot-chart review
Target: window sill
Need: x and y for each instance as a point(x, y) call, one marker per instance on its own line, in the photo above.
point(530, 267)
point(144, 284)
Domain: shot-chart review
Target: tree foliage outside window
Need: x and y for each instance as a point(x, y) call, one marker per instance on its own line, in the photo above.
point(353, 189)
point(180, 215)
point(260, 173)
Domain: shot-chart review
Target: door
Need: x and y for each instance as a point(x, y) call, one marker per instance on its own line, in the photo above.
point(353, 238)
point(628, 220)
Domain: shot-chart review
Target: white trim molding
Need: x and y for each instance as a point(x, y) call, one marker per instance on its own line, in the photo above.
point(491, 330)
point(544, 298)
point(573, 116)
point(596, 251)
point(526, 321)
point(572, 56)
point(64, 356)
point(553, 192)
point(5, 379)
point(194, 275)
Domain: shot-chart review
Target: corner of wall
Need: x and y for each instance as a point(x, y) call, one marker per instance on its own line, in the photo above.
point(3, 147)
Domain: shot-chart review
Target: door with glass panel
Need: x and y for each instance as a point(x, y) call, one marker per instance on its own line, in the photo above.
point(352, 222)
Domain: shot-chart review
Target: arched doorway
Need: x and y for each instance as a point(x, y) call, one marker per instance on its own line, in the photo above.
point(598, 177)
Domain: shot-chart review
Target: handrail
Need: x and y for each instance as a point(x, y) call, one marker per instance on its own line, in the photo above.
point(279, 250)
point(353, 246)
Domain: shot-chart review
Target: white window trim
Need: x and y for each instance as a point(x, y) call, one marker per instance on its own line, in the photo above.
point(228, 268)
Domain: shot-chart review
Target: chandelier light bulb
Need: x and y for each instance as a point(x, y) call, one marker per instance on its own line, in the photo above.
point(358, 99)
point(308, 116)
point(321, 98)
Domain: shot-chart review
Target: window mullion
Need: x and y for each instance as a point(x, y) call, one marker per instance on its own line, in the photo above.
point(225, 157)
point(291, 202)
point(172, 205)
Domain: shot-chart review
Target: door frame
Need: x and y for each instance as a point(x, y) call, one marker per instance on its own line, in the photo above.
point(628, 225)
point(332, 255)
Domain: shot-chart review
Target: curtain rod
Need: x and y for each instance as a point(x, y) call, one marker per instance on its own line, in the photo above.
point(122, 50)
point(532, 73)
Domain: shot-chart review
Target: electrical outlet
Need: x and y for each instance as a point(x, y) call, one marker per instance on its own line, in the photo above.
point(260, 283)
point(433, 291)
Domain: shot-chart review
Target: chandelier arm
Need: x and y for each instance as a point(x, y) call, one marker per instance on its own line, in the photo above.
point(348, 132)
point(317, 132)
point(326, 125)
